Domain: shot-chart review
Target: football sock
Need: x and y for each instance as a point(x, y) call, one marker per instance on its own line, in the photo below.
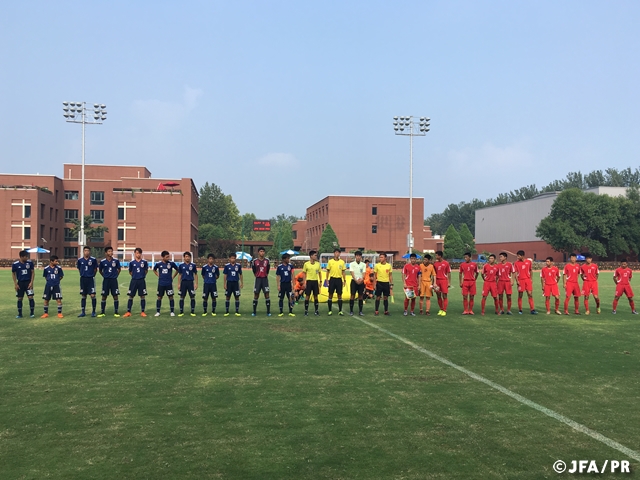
point(158, 305)
point(83, 304)
point(615, 304)
point(214, 304)
point(377, 304)
point(427, 305)
point(586, 304)
point(103, 306)
point(501, 303)
point(315, 304)
point(445, 304)
point(339, 304)
point(226, 305)
point(471, 304)
point(268, 303)
point(143, 304)
point(204, 306)
point(465, 304)
point(129, 305)
point(519, 303)
point(406, 303)
point(558, 303)
point(60, 308)
point(413, 304)
point(181, 303)
point(237, 306)
point(386, 304)
point(46, 309)
point(483, 302)
point(20, 307)
point(576, 303)
point(193, 305)
point(351, 302)
point(255, 305)
point(281, 304)
point(94, 302)
point(360, 303)
point(509, 304)
point(597, 303)
point(329, 304)
point(306, 306)
point(547, 303)
point(633, 305)
point(32, 305)
point(566, 304)
point(531, 307)
point(495, 304)
point(116, 304)
point(172, 304)
point(440, 303)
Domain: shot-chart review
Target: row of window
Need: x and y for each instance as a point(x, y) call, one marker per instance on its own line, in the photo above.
point(97, 198)
point(97, 216)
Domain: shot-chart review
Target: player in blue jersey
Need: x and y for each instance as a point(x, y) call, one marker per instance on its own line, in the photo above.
point(284, 276)
point(210, 274)
point(88, 267)
point(138, 268)
point(164, 272)
point(24, 273)
point(53, 273)
point(233, 283)
point(109, 268)
point(188, 281)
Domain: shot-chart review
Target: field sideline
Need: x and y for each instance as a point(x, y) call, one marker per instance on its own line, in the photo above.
point(317, 397)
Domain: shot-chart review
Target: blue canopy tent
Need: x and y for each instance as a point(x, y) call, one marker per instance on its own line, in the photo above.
point(38, 251)
point(290, 252)
point(406, 255)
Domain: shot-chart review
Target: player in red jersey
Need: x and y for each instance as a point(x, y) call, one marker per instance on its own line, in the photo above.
point(490, 286)
point(410, 274)
point(571, 274)
point(549, 277)
point(590, 275)
point(468, 275)
point(443, 282)
point(523, 269)
point(622, 277)
point(260, 267)
point(505, 282)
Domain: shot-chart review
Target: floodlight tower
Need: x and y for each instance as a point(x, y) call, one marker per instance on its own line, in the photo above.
point(77, 112)
point(418, 129)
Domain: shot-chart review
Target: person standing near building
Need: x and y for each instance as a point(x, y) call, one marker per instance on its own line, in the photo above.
point(383, 273)
point(284, 276)
point(468, 275)
point(590, 274)
point(523, 268)
point(233, 283)
point(490, 285)
point(443, 282)
point(571, 274)
point(427, 278)
point(261, 267)
point(622, 279)
point(505, 282)
point(23, 272)
point(188, 281)
point(138, 268)
point(210, 274)
point(312, 280)
point(336, 276)
point(549, 276)
point(88, 267)
point(166, 271)
point(410, 277)
point(53, 274)
point(109, 268)
point(358, 270)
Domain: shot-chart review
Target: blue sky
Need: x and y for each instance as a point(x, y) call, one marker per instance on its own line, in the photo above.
point(283, 103)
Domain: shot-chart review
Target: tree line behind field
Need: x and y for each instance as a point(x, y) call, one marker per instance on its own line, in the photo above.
point(464, 212)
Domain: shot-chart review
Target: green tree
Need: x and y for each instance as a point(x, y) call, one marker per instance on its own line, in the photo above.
point(328, 240)
point(91, 230)
point(219, 210)
point(281, 235)
point(467, 239)
point(453, 246)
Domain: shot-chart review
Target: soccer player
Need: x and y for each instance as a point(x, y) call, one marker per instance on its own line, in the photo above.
point(505, 282)
point(299, 287)
point(88, 267)
point(164, 270)
point(138, 268)
point(523, 269)
point(590, 273)
point(23, 272)
point(261, 267)
point(468, 275)
point(210, 274)
point(312, 280)
point(233, 283)
point(443, 282)
point(336, 277)
point(109, 268)
point(571, 274)
point(53, 273)
point(549, 276)
point(358, 271)
point(284, 274)
point(621, 278)
point(427, 281)
point(369, 285)
point(490, 285)
point(383, 276)
point(410, 275)
point(188, 281)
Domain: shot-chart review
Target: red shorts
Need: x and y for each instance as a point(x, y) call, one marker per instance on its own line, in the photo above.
point(468, 287)
point(572, 289)
point(551, 290)
point(525, 285)
point(590, 287)
point(624, 290)
point(489, 288)
point(443, 285)
point(504, 286)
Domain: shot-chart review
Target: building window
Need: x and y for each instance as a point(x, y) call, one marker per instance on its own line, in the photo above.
point(120, 213)
point(51, 214)
point(70, 215)
point(71, 195)
point(56, 196)
point(56, 214)
point(97, 216)
point(294, 234)
point(70, 252)
point(26, 233)
point(68, 236)
point(121, 234)
point(374, 210)
point(98, 237)
point(374, 228)
point(97, 198)
point(42, 207)
point(41, 229)
point(27, 211)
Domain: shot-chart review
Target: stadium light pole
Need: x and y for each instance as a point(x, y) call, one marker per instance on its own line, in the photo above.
point(77, 112)
point(414, 129)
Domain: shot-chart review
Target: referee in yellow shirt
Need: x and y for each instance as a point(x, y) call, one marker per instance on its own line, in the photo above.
point(335, 273)
point(312, 279)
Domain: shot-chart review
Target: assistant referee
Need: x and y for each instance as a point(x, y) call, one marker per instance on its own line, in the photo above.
point(335, 272)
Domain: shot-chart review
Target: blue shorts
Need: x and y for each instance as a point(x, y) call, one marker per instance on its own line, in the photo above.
point(87, 286)
point(138, 287)
point(210, 290)
point(186, 286)
point(52, 291)
point(110, 287)
point(233, 288)
point(23, 289)
point(165, 289)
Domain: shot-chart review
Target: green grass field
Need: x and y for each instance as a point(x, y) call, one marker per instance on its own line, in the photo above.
point(328, 397)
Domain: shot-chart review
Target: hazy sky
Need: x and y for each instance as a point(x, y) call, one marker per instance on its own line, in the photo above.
point(283, 103)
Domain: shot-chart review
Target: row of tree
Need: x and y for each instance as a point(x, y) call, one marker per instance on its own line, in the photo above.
point(458, 242)
point(464, 212)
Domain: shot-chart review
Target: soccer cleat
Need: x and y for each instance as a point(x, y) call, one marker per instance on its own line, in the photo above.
point(558, 312)
point(268, 314)
point(157, 314)
point(204, 314)
point(614, 312)
point(501, 312)
point(444, 313)
point(470, 312)
point(32, 316)
point(566, 313)
point(509, 312)
point(404, 313)
point(226, 314)
point(361, 314)
point(253, 314)
point(18, 316)
point(317, 314)
point(420, 311)
point(306, 314)
point(93, 315)
point(237, 314)
point(387, 313)
point(172, 314)
point(181, 314)
point(413, 314)
point(340, 313)
point(60, 315)
point(330, 313)
point(128, 314)
point(427, 313)
point(533, 312)
point(291, 314)
point(587, 312)
point(519, 312)
point(142, 314)
point(548, 312)
point(213, 314)
point(193, 314)
point(465, 313)
point(281, 314)
point(634, 312)
point(101, 315)
point(598, 311)
point(577, 313)
point(351, 314)
point(117, 315)
point(79, 316)
point(46, 315)
point(377, 313)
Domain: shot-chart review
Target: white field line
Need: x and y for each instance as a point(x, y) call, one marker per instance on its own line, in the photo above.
point(525, 401)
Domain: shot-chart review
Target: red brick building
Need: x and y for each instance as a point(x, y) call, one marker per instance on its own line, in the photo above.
point(139, 211)
point(372, 223)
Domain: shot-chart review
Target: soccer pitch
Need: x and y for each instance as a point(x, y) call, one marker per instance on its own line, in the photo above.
point(316, 397)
